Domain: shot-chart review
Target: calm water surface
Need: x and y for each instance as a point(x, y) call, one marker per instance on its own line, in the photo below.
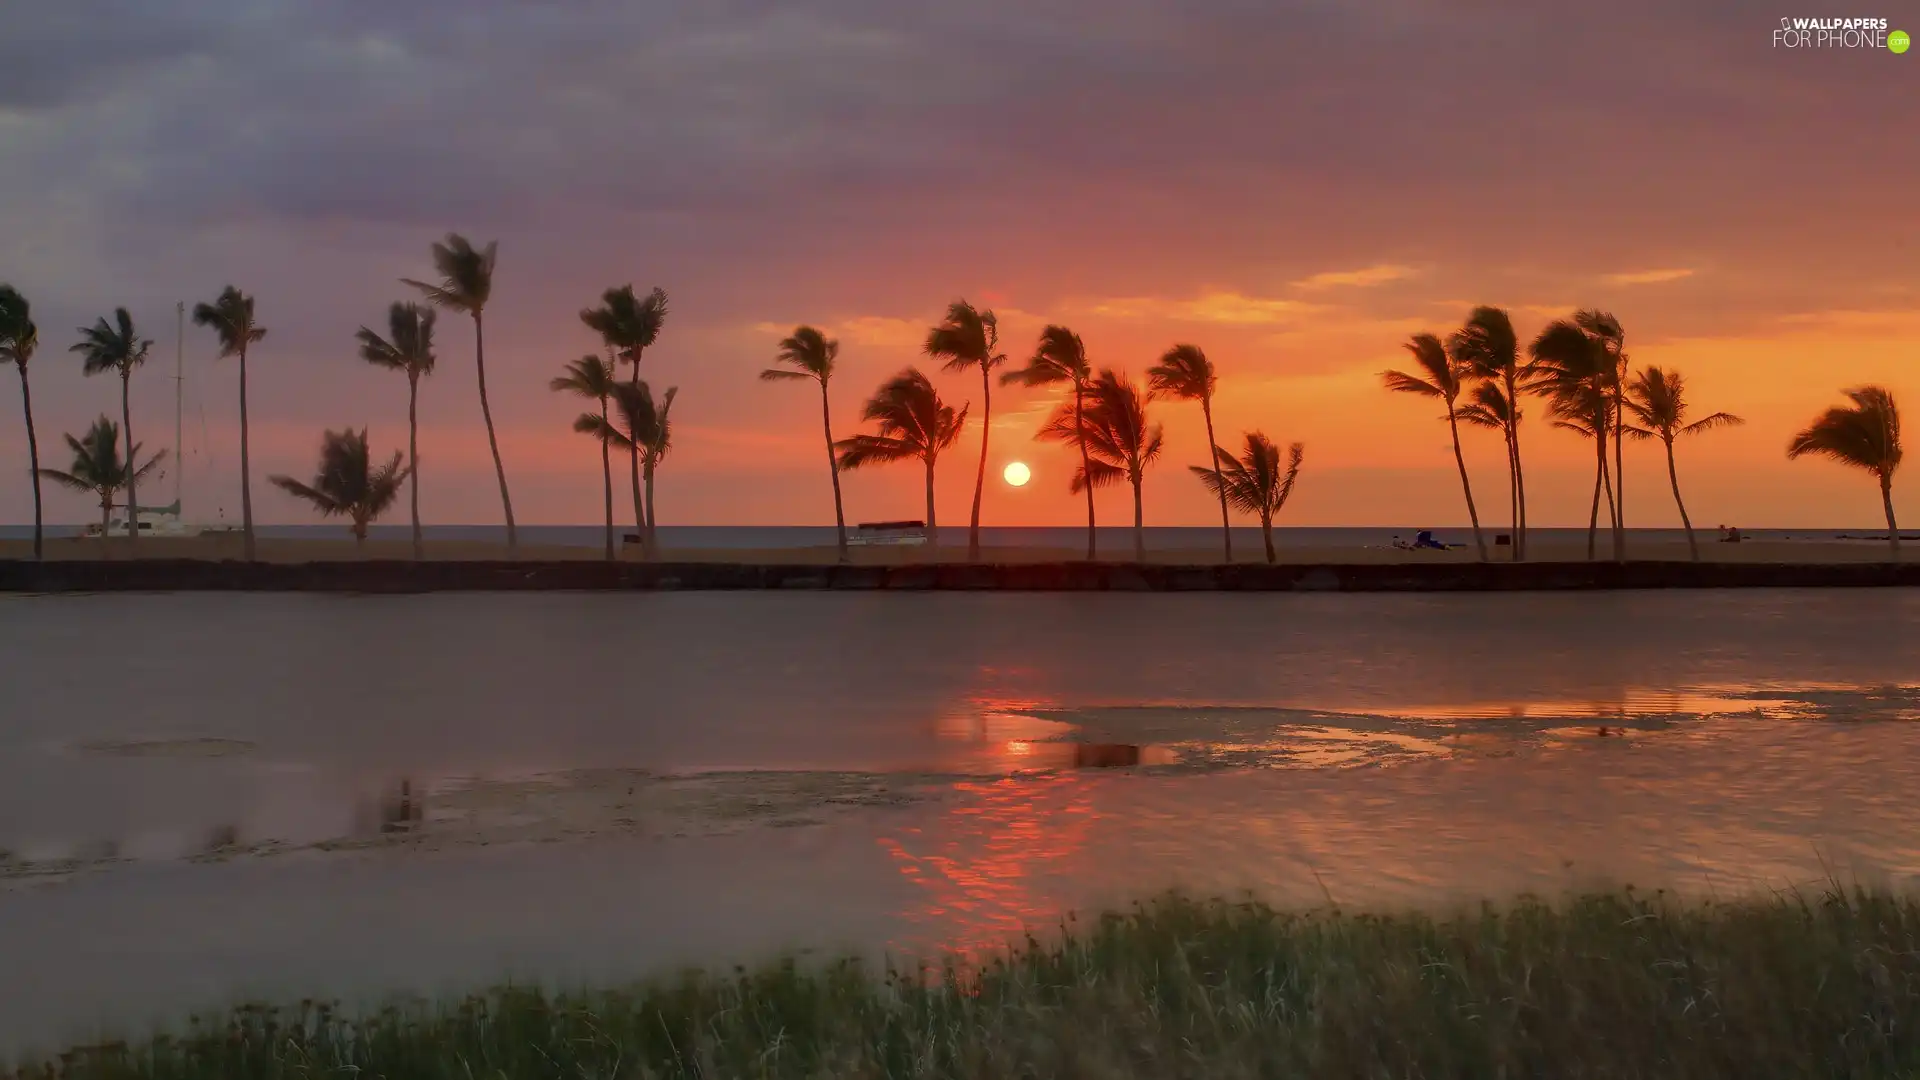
point(204, 796)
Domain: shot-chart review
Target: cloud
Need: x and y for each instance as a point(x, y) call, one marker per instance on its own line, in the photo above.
point(1224, 307)
point(1363, 278)
point(1648, 277)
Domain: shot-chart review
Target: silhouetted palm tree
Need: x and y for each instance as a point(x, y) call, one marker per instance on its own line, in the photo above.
point(466, 284)
point(410, 349)
point(1607, 333)
point(97, 467)
point(1061, 357)
point(1573, 370)
point(1442, 378)
point(810, 354)
point(594, 378)
point(651, 427)
point(119, 348)
point(914, 423)
point(348, 484)
point(1185, 372)
point(1254, 482)
point(1587, 415)
point(1657, 399)
point(1866, 436)
point(19, 338)
point(231, 317)
point(1487, 348)
point(629, 325)
point(970, 338)
point(1121, 444)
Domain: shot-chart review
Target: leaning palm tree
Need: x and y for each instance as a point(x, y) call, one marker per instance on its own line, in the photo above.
point(1444, 379)
point(651, 427)
point(18, 340)
point(968, 338)
point(628, 325)
point(1574, 372)
point(1254, 482)
point(1061, 357)
point(914, 423)
point(1185, 372)
point(1120, 443)
point(809, 354)
point(1611, 339)
point(1866, 436)
point(231, 317)
point(410, 349)
point(593, 378)
point(1487, 348)
point(1588, 415)
point(97, 467)
point(1657, 399)
point(117, 347)
point(466, 284)
point(348, 485)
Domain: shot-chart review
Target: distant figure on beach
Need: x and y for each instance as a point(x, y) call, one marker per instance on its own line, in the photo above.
point(1729, 534)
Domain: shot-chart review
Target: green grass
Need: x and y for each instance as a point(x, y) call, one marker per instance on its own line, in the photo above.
point(1610, 985)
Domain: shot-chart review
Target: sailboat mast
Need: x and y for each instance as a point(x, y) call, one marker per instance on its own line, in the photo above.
point(179, 384)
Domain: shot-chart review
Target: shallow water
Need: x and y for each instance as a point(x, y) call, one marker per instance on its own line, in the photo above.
point(205, 795)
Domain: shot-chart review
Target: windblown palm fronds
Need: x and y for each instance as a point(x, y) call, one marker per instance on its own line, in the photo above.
point(1255, 482)
point(1865, 436)
point(349, 484)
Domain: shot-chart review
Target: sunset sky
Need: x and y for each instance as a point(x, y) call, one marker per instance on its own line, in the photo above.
point(1295, 186)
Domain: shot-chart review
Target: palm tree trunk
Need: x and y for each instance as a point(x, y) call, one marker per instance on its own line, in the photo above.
point(360, 538)
point(106, 519)
point(1139, 525)
point(1219, 485)
point(493, 443)
point(652, 545)
point(1619, 474)
point(1513, 498)
point(1466, 485)
point(246, 472)
point(1086, 465)
point(1886, 501)
point(33, 455)
point(933, 524)
point(639, 507)
point(1519, 472)
point(1266, 533)
point(126, 422)
point(833, 470)
point(606, 477)
point(1599, 470)
point(413, 460)
point(980, 477)
point(1673, 477)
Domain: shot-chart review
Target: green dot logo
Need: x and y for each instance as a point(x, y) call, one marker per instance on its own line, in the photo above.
point(1898, 41)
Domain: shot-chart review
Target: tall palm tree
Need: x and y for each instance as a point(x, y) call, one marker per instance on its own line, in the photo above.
point(117, 347)
point(652, 430)
point(231, 317)
point(592, 377)
point(971, 338)
point(1572, 369)
point(1061, 357)
point(1588, 415)
point(629, 325)
point(1657, 399)
point(914, 423)
point(1612, 341)
point(466, 284)
point(348, 484)
point(1121, 444)
point(1487, 348)
point(1866, 436)
point(1185, 372)
point(97, 467)
point(809, 354)
point(19, 338)
point(1254, 482)
point(408, 348)
point(1444, 379)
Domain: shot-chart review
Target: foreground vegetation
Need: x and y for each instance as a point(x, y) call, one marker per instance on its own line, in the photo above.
point(1608, 985)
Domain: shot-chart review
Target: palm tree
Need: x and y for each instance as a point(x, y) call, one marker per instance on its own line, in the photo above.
point(1866, 436)
point(810, 354)
point(1657, 399)
point(968, 338)
point(1487, 348)
point(592, 377)
point(231, 317)
point(18, 340)
point(1443, 379)
point(1185, 372)
point(1573, 370)
point(1588, 415)
point(1120, 442)
point(651, 429)
point(1061, 357)
point(629, 325)
point(97, 467)
point(1611, 340)
point(1254, 482)
point(348, 484)
point(408, 348)
point(914, 423)
point(466, 283)
point(117, 347)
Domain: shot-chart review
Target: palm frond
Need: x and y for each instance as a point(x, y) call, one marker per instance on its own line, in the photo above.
point(859, 451)
point(1486, 345)
point(1866, 436)
point(808, 353)
point(115, 346)
point(466, 275)
point(966, 338)
point(1183, 372)
point(409, 346)
point(1713, 422)
point(589, 377)
point(1255, 482)
point(1059, 357)
point(348, 483)
point(231, 318)
point(19, 337)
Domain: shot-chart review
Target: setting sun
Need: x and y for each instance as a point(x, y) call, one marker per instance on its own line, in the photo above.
point(1017, 473)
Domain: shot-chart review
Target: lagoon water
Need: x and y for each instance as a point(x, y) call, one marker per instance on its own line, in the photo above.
point(204, 797)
